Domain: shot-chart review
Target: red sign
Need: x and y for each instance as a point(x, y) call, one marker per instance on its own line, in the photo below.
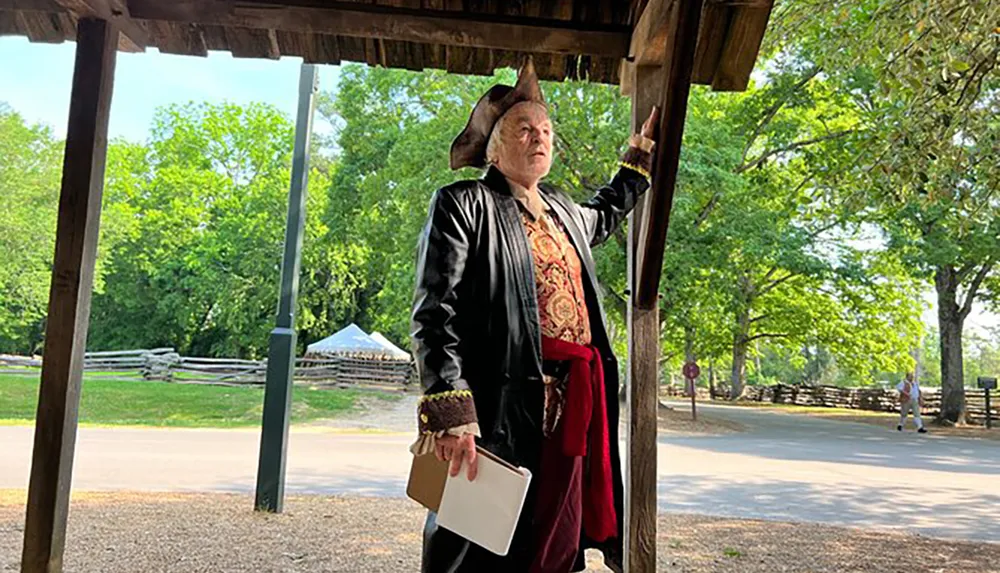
point(691, 371)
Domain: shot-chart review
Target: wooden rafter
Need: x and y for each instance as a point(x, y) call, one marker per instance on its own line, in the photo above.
point(389, 23)
point(739, 54)
point(651, 34)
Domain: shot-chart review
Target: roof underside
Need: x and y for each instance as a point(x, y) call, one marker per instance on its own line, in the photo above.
point(568, 39)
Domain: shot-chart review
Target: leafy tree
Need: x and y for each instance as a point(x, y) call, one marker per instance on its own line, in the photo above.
point(198, 266)
point(923, 76)
point(29, 193)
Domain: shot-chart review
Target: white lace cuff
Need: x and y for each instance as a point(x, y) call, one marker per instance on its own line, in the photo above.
point(425, 443)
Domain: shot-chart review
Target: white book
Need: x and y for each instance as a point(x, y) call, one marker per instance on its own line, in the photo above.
point(484, 511)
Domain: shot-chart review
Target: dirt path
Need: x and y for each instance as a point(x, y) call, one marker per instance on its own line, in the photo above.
point(193, 533)
point(378, 415)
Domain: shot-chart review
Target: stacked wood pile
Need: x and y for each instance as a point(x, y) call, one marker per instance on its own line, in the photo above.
point(10, 361)
point(167, 365)
point(675, 391)
point(873, 399)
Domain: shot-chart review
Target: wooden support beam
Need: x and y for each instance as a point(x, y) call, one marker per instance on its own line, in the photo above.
point(676, 86)
point(115, 12)
point(652, 33)
point(69, 297)
point(641, 506)
point(391, 23)
point(642, 381)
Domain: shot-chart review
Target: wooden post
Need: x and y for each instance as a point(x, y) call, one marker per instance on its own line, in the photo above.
point(643, 362)
point(69, 297)
point(673, 110)
point(668, 87)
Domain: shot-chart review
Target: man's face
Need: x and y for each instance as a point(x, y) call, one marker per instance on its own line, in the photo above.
point(526, 142)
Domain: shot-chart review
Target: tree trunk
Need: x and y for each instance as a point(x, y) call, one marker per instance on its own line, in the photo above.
point(739, 369)
point(711, 379)
point(741, 339)
point(689, 354)
point(741, 343)
point(950, 324)
point(756, 360)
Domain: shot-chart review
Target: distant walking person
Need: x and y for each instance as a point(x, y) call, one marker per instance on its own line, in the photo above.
point(910, 399)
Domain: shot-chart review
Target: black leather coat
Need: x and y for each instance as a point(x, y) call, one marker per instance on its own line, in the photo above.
point(476, 327)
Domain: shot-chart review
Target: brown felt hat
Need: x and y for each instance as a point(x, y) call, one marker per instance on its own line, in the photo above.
point(469, 148)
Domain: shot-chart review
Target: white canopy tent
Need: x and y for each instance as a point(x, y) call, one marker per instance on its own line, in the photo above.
point(396, 351)
point(352, 341)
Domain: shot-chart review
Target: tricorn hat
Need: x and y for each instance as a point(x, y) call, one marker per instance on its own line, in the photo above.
point(469, 148)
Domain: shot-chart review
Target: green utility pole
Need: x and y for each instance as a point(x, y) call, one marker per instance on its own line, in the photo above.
point(281, 352)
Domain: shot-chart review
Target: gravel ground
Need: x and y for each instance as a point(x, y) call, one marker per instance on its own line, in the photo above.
point(201, 533)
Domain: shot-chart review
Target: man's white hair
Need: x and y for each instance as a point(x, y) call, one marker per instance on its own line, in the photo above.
point(493, 145)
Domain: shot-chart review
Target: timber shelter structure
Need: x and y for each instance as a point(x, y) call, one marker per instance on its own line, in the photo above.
point(653, 49)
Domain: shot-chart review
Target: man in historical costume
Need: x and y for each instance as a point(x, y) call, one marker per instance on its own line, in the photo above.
point(510, 339)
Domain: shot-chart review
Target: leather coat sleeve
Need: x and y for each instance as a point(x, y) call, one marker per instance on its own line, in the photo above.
point(605, 211)
point(442, 253)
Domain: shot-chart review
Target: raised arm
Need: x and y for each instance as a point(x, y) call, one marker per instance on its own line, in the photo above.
point(605, 211)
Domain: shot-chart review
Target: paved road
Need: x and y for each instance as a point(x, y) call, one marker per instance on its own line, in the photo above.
point(790, 467)
point(784, 467)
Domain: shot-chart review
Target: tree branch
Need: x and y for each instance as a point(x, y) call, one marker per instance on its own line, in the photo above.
point(774, 284)
point(767, 335)
point(618, 301)
point(986, 62)
point(774, 109)
point(707, 209)
point(965, 270)
point(668, 357)
point(791, 147)
point(620, 237)
point(970, 294)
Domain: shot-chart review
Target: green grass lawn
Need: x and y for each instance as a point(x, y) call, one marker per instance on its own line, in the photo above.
point(138, 403)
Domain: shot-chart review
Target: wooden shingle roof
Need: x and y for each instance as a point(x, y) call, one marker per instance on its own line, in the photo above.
point(568, 39)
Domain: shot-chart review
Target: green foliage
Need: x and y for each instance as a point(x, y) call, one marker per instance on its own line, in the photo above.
point(201, 214)
point(761, 252)
point(29, 191)
point(923, 76)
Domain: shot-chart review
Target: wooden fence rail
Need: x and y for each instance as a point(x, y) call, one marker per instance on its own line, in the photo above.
point(874, 399)
point(166, 364)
